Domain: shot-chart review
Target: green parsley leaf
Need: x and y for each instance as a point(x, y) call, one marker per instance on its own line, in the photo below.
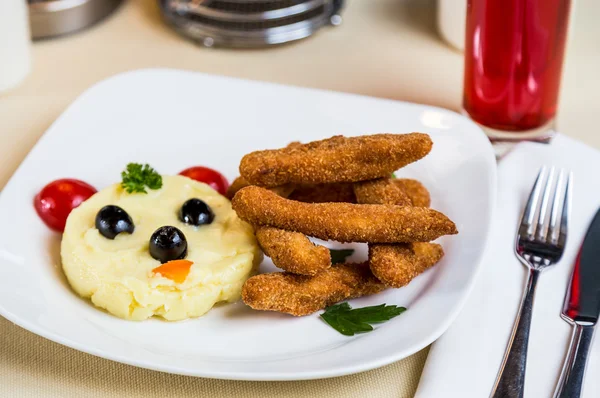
point(393, 175)
point(137, 177)
point(350, 321)
point(338, 256)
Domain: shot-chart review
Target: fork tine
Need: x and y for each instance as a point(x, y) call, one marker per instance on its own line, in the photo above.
point(526, 227)
point(554, 227)
point(540, 230)
point(566, 211)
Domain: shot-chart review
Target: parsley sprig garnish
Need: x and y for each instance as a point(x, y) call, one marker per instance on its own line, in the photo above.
point(338, 256)
point(137, 177)
point(350, 321)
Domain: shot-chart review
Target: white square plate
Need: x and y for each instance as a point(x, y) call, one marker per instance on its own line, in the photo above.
point(175, 119)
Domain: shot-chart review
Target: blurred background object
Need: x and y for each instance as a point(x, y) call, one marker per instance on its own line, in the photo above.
point(451, 20)
point(15, 43)
point(51, 18)
point(249, 23)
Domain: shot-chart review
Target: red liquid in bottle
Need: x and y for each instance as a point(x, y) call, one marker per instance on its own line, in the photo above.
point(513, 60)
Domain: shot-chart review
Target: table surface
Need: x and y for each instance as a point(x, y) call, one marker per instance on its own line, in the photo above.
point(384, 48)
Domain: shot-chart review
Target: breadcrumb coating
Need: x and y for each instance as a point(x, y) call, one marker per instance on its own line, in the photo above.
point(336, 159)
point(324, 193)
point(300, 295)
point(418, 194)
point(397, 264)
point(343, 222)
point(293, 251)
point(381, 191)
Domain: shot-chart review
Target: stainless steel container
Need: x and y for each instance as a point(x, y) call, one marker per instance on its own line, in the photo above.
point(49, 18)
point(249, 23)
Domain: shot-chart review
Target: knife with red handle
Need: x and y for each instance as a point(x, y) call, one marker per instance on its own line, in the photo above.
point(581, 309)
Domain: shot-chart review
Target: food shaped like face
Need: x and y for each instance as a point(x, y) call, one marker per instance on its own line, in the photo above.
point(117, 274)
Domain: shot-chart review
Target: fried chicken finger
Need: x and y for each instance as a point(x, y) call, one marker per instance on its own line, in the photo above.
point(300, 295)
point(397, 264)
point(401, 191)
point(343, 222)
point(293, 251)
point(324, 193)
point(290, 251)
point(381, 191)
point(240, 182)
point(336, 159)
point(236, 185)
point(418, 194)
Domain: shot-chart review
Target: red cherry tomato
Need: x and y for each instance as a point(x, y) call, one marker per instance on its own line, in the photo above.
point(208, 176)
point(56, 200)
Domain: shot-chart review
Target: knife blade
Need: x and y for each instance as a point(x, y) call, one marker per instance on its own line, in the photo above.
point(582, 301)
point(581, 308)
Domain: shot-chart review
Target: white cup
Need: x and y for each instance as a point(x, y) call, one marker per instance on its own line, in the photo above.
point(15, 43)
point(451, 19)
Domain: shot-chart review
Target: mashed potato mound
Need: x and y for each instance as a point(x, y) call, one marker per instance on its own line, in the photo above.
point(117, 274)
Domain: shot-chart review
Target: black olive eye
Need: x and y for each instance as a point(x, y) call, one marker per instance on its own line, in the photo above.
point(111, 220)
point(168, 243)
point(196, 212)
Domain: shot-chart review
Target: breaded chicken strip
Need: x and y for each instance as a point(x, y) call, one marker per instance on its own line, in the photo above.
point(343, 222)
point(290, 251)
point(336, 159)
point(293, 251)
point(381, 191)
point(324, 193)
point(240, 182)
point(300, 295)
point(418, 194)
point(344, 192)
point(397, 264)
point(236, 185)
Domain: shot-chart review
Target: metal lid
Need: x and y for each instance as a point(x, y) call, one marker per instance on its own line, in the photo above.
point(51, 18)
point(249, 23)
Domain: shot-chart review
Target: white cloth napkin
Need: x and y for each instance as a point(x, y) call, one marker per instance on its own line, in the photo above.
point(465, 360)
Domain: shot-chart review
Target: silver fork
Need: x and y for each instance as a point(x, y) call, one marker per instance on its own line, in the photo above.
point(540, 243)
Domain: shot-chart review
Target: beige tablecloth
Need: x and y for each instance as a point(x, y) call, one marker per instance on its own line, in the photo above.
point(31, 366)
point(384, 48)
